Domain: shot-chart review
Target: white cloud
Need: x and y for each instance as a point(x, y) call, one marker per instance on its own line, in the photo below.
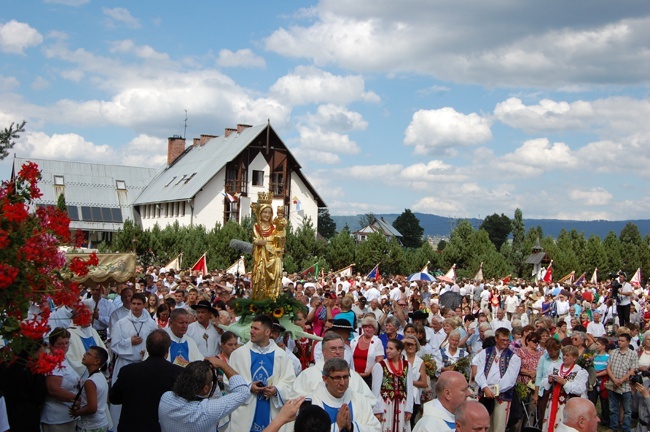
point(439, 131)
point(328, 141)
point(439, 206)
point(241, 58)
point(337, 118)
point(146, 52)
point(145, 151)
point(592, 197)
point(120, 15)
point(433, 171)
point(8, 83)
point(536, 156)
point(308, 84)
point(324, 157)
point(16, 37)
point(615, 116)
point(475, 42)
point(62, 147)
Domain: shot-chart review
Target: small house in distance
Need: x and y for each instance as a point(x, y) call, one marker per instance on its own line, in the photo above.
point(378, 225)
point(217, 178)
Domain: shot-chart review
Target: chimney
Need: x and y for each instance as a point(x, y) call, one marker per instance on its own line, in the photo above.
point(229, 131)
point(205, 138)
point(241, 127)
point(196, 142)
point(175, 148)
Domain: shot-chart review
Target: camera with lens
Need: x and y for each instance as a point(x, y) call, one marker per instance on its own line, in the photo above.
point(637, 378)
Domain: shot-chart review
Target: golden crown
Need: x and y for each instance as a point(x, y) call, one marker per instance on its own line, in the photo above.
point(264, 198)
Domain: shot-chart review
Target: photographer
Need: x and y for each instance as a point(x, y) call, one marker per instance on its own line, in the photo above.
point(642, 396)
point(622, 292)
point(190, 401)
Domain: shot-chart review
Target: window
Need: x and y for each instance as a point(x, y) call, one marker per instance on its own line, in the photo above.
point(258, 178)
point(170, 181)
point(120, 184)
point(277, 183)
point(190, 178)
point(58, 180)
point(182, 208)
point(182, 178)
point(73, 213)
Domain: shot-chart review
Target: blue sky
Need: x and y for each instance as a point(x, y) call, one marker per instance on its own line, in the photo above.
point(460, 109)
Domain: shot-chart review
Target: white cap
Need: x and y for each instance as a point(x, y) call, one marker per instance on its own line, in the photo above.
point(162, 270)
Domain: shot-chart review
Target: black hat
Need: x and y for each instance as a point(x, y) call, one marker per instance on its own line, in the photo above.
point(341, 324)
point(204, 304)
point(418, 315)
point(622, 273)
point(362, 299)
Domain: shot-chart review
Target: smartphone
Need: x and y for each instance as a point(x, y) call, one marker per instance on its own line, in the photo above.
point(305, 403)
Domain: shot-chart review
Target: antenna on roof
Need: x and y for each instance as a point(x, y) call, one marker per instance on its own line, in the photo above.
point(185, 128)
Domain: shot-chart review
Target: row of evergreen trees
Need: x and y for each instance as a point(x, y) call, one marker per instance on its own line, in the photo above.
point(467, 247)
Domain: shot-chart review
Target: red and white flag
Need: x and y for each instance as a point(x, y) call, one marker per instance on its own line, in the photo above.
point(636, 279)
point(548, 276)
point(345, 272)
point(201, 265)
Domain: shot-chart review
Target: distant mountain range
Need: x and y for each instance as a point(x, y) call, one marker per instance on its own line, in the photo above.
point(440, 226)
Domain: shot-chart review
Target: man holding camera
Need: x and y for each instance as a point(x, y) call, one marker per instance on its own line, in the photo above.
point(622, 365)
point(624, 299)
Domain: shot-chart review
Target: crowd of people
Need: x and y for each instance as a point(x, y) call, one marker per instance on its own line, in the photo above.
point(388, 355)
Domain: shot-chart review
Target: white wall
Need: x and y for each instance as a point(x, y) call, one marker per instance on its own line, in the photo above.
point(309, 204)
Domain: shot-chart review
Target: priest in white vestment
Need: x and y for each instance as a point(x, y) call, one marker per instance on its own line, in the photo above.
point(264, 364)
point(183, 350)
point(347, 409)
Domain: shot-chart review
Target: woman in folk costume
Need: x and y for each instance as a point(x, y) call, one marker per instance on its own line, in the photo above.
point(564, 382)
point(392, 384)
point(82, 337)
point(268, 249)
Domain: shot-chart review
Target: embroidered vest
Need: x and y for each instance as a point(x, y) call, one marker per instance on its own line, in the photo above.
point(393, 387)
point(504, 362)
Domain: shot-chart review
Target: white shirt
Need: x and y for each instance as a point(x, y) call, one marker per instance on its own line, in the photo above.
point(596, 329)
point(372, 293)
point(562, 307)
point(497, 323)
point(511, 304)
point(207, 339)
point(494, 375)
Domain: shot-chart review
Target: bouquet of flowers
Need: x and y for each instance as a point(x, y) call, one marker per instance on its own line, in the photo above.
point(430, 365)
point(586, 360)
point(463, 366)
point(522, 390)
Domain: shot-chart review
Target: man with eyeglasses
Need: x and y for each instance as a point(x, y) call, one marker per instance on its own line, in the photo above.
point(348, 410)
point(333, 347)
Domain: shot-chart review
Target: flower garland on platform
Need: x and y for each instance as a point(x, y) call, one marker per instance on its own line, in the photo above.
point(278, 308)
point(31, 271)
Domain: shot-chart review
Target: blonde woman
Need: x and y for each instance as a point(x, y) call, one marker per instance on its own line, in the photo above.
point(417, 370)
point(367, 349)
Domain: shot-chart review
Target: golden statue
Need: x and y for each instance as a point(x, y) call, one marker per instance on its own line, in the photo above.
point(269, 236)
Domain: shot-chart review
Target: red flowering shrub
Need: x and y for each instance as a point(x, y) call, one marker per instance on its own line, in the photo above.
point(31, 271)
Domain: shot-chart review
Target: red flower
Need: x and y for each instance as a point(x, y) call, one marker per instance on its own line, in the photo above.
point(81, 315)
point(34, 329)
point(7, 275)
point(4, 239)
point(46, 362)
point(29, 172)
point(16, 212)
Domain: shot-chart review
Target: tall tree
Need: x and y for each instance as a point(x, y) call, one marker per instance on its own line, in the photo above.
point(498, 228)
point(326, 225)
point(409, 226)
point(517, 253)
point(340, 250)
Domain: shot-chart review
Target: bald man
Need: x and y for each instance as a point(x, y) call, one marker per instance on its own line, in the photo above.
point(452, 390)
point(579, 416)
point(472, 416)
